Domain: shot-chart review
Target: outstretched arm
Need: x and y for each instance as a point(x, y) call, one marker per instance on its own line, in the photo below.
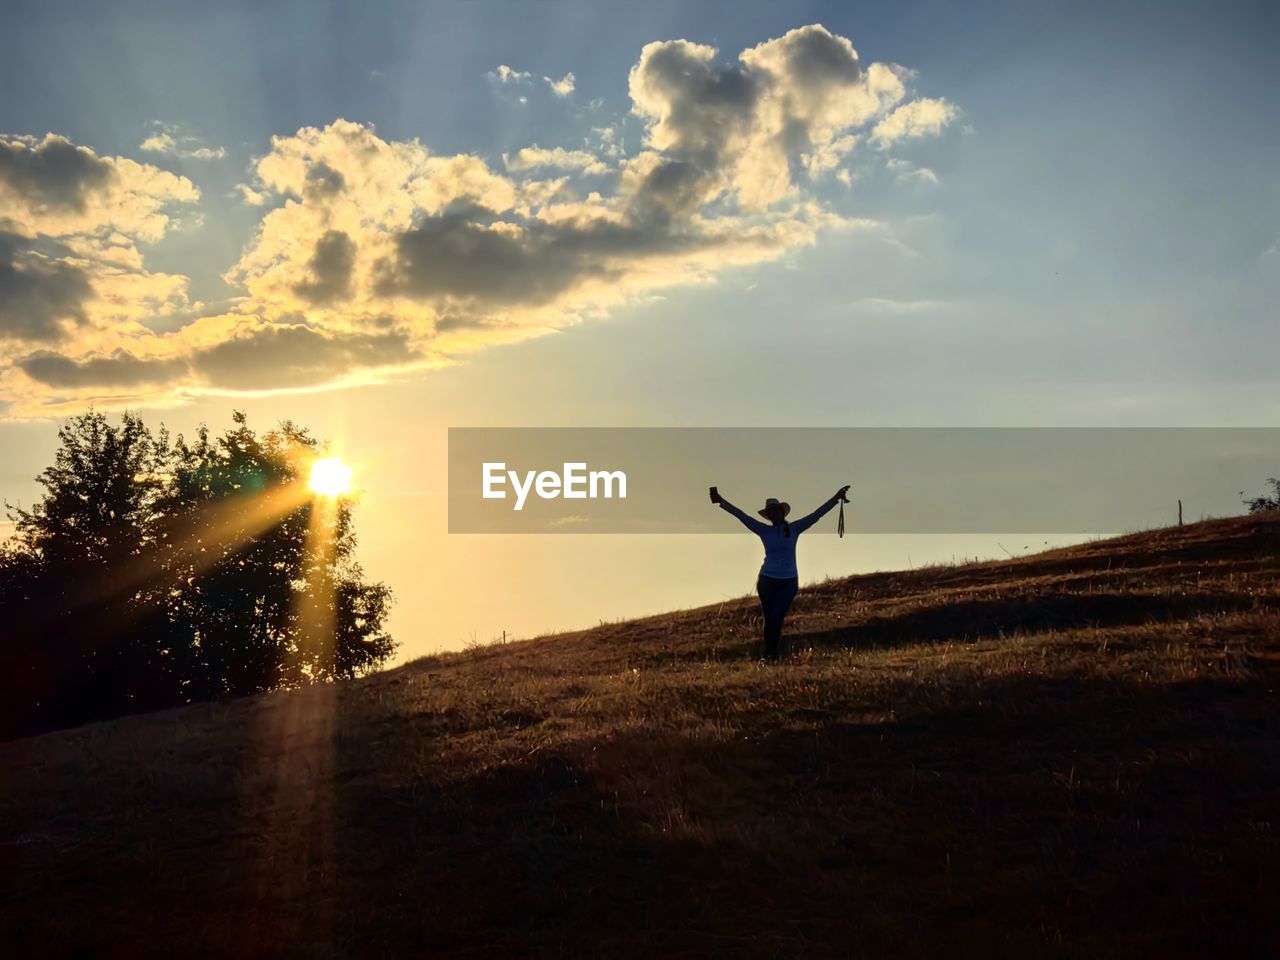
point(804, 523)
point(751, 523)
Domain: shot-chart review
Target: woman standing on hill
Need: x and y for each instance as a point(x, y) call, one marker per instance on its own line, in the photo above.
point(779, 580)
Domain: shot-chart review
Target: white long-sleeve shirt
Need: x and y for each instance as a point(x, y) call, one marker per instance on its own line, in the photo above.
point(779, 549)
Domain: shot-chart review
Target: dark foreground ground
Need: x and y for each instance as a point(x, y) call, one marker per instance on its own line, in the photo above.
point(1075, 754)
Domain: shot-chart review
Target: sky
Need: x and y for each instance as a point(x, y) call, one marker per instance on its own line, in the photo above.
point(384, 220)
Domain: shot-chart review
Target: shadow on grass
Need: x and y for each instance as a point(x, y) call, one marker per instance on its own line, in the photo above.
point(1015, 816)
point(969, 620)
point(1010, 817)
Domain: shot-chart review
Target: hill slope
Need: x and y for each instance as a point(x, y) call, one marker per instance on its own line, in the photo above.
point(1076, 754)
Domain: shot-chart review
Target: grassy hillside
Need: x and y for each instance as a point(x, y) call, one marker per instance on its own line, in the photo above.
point(1071, 754)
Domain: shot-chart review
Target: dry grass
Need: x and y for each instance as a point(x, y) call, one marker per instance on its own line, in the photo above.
point(1069, 754)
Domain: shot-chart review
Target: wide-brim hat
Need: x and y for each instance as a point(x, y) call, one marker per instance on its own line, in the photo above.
point(774, 502)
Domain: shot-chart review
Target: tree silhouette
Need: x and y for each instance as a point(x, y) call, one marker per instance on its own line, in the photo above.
point(153, 573)
point(244, 544)
point(1264, 503)
point(76, 620)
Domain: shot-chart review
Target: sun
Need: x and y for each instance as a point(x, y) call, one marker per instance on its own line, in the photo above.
point(330, 477)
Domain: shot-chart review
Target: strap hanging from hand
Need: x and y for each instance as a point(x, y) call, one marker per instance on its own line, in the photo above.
point(840, 522)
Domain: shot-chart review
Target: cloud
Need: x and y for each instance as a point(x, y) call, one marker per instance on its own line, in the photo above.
point(323, 181)
point(742, 128)
point(169, 140)
point(453, 257)
point(907, 172)
point(572, 520)
point(331, 266)
point(282, 356)
point(51, 187)
point(251, 196)
point(118, 369)
point(71, 222)
point(71, 270)
point(535, 157)
point(38, 294)
point(609, 140)
point(374, 257)
point(51, 173)
point(562, 87)
point(920, 118)
point(918, 175)
point(459, 256)
point(504, 74)
point(158, 143)
point(827, 156)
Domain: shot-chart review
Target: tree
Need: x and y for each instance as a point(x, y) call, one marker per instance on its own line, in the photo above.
point(276, 596)
point(1264, 503)
point(75, 595)
point(152, 574)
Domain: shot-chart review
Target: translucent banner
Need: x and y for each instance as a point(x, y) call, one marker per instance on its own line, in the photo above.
point(904, 480)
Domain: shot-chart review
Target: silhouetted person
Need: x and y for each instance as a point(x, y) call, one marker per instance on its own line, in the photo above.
point(779, 580)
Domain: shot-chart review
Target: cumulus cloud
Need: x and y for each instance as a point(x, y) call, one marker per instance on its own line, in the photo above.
point(158, 143)
point(824, 157)
point(52, 187)
point(376, 257)
point(331, 266)
point(50, 174)
point(562, 87)
point(275, 356)
point(252, 197)
point(921, 118)
point(742, 128)
point(535, 157)
point(39, 294)
point(169, 140)
point(120, 368)
point(455, 257)
point(71, 271)
point(430, 237)
point(504, 74)
point(608, 139)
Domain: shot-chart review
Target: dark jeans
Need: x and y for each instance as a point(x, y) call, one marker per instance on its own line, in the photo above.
point(775, 600)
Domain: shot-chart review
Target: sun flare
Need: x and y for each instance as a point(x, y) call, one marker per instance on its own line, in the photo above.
point(330, 477)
